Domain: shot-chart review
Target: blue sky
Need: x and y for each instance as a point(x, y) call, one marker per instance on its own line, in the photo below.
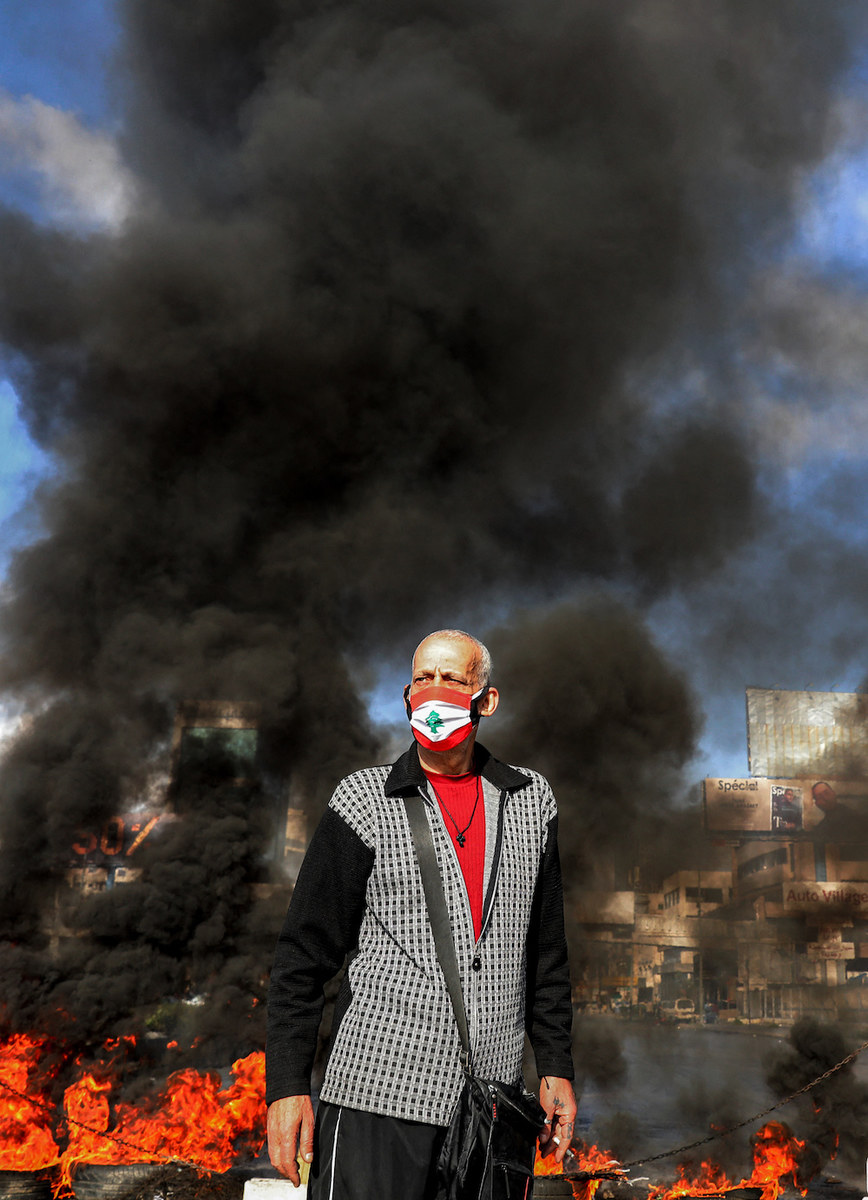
point(58, 53)
point(22, 465)
point(58, 126)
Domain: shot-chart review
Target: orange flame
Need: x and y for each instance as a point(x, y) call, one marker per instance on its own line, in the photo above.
point(582, 1158)
point(776, 1160)
point(192, 1120)
point(197, 1122)
point(776, 1163)
point(26, 1140)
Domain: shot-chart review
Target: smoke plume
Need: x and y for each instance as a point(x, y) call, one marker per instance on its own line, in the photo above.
point(832, 1114)
point(399, 327)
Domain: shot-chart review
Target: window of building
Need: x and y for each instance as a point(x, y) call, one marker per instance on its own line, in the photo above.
point(763, 862)
point(705, 895)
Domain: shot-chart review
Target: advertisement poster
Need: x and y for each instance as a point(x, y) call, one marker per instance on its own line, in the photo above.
point(738, 805)
point(825, 899)
point(827, 809)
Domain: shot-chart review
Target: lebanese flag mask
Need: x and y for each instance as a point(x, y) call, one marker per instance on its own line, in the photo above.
point(441, 717)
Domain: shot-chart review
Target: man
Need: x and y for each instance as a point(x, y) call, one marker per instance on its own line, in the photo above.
point(394, 1073)
point(839, 822)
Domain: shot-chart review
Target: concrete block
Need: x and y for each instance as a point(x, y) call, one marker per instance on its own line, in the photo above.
point(273, 1189)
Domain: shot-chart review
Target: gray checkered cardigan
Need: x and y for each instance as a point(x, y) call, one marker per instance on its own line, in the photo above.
point(395, 1045)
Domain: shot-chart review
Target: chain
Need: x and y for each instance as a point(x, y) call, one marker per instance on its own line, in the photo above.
point(579, 1175)
point(111, 1137)
point(712, 1137)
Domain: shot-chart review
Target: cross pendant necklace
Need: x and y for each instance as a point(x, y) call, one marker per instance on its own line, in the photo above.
point(460, 834)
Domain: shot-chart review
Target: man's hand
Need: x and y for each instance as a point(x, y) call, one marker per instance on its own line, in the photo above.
point(290, 1133)
point(557, 1098)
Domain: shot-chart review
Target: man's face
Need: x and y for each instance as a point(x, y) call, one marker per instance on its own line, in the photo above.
point(824, 796)
point(445, 662)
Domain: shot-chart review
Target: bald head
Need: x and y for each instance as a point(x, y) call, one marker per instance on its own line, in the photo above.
point(456, 642)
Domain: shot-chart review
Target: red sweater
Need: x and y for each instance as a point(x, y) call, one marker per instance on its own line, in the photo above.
point(462, 806)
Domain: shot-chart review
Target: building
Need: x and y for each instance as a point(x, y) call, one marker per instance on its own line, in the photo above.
point(773, 924)
point(214, 744)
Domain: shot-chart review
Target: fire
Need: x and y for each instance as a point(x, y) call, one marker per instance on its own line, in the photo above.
point(776, 1159)
point(777, 1156)
point(776, 1162)
point(581, 1158)
point(196, 1121)
point(26, 1139)
point(692, 1180)
point(193, 1120)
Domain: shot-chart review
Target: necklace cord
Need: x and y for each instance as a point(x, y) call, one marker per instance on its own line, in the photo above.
point(460, 834)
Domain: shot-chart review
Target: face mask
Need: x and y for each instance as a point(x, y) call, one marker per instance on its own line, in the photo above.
point(441, 717)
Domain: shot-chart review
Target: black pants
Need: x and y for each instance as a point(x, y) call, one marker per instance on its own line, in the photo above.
point(363, 1156)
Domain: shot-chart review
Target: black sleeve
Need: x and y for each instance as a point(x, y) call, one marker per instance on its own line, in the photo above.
point(549, 1011)
point(321, 928)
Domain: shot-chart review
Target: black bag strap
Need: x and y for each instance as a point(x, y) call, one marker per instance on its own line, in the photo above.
point(438, 915)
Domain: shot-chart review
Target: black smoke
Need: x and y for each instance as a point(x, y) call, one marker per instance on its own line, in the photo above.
point(831, 1115)
point(398, 329)
point(591, 701)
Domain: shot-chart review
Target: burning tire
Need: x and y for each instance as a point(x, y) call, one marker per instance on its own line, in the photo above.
point(552, 1187)
point(25, 1185)
point(97, 1182)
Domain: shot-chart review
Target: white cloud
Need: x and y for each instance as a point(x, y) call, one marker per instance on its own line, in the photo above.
point(81, 180)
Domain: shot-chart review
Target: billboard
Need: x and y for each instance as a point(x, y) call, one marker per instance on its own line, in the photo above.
point(119, 838)
point(828, 809)
point(739, 805)
point(100, 859)
point(792, 734)
point(824, 899)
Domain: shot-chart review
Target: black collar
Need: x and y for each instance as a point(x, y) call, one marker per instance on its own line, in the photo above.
point(407, 775)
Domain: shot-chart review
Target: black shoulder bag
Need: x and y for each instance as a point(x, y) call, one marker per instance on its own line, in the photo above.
point(491, 1141)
